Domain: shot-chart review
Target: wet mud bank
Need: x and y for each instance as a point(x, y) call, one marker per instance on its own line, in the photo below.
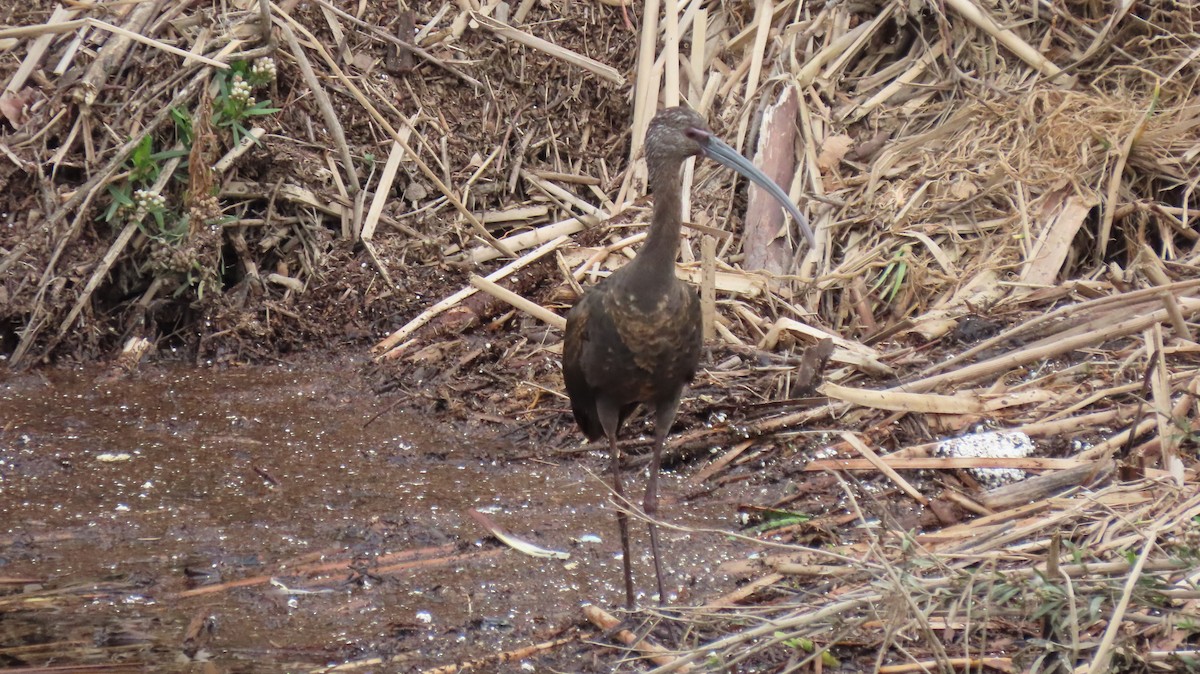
point(252, 518)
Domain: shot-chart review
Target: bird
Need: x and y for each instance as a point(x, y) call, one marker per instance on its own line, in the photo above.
point(635, 337)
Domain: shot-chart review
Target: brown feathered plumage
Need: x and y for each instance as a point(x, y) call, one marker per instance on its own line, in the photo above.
point(635, 338)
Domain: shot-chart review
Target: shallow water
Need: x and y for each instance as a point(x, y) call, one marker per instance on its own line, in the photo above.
point(252, 518)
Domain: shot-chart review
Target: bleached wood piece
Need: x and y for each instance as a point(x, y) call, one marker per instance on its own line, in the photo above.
point(388, 345)
point(593, 66)
point(973, 13)
point(383, 192)
point(38, 49)
point(532, 308)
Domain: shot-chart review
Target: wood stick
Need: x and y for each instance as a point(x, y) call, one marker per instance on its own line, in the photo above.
point(532, 308)
point(762, 12)
point(284, 19)
point(1126, 299)
point(894, 87)
point(698, 59)
point(1111, 199)
point(328, 114)
point(136, 37)
point(386, 347)
point(708, 286)
point(33, 56)
point(383, 191)
point(1151, 266)
point(405, 45)
point(645, 99)
point(655, 653)
point(884, 468)
point(969, 373)
point(1116, 623)
point(533, 237)
point(725, 459)
point(976, 15)
point(593, 66)
point(53, 27)
point(515, 655)
point(670, 52)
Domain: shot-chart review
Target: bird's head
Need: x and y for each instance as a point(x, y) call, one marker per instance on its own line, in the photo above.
point(678, 133)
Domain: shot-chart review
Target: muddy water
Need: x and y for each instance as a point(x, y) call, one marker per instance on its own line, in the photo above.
point(250, 519)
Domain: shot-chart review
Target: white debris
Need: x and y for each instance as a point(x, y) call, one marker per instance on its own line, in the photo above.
point(1006, 444)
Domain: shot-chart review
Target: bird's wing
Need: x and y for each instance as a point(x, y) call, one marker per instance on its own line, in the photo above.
point(582, 395)
point(666, 344)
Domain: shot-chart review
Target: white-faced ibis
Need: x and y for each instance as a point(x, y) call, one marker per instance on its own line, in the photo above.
point(636, 336)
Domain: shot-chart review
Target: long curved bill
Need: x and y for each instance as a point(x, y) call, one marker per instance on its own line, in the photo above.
point(718, 150)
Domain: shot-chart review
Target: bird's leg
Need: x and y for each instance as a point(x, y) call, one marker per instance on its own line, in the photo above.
point(610, 420)
point(664, 417)
point(622, 521)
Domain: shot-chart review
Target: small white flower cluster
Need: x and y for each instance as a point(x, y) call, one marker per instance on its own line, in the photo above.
point(990, 444)
point(240, 91)
point(264, 67)
point(146, 201)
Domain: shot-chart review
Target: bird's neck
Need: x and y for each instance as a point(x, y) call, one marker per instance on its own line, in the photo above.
point(656, 260)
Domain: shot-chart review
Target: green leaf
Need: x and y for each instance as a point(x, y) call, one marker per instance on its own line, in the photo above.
point(120, 195)
point(183, 125)
point(141, 155)
point(898, 281)
point(777, 519)
point(168, 154)
point(260, 108)
point(798, 643)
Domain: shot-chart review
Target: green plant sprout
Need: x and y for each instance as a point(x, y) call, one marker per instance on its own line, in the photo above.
point(893, 275)
point(777, 519)
point(134, 197)
point(235, 102)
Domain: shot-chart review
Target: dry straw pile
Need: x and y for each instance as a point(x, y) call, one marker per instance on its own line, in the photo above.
point(1004, 200)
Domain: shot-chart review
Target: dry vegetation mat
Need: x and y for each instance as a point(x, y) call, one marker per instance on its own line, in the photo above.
point(1004, 197)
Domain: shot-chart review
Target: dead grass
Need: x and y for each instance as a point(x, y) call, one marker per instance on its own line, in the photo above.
point(1017, 176)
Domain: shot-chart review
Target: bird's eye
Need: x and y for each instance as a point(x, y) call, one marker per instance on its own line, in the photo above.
point(695, 134)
